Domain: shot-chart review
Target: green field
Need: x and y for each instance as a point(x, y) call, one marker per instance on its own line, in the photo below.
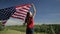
point(14, 32)
point(11, 32)
point(38, 29)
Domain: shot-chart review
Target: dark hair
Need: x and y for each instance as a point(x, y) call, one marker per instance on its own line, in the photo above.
point(27, 17)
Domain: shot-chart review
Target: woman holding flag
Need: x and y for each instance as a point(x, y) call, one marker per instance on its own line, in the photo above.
point(30, 21)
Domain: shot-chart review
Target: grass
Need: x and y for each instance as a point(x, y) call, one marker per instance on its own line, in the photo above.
point(11, 32)
point(14, 32)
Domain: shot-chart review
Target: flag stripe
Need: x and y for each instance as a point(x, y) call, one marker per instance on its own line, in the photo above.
point(24, 10)
point(26, 7)
point(19, 15)
point(29, 5)
point(21, 11)
point(18, 7)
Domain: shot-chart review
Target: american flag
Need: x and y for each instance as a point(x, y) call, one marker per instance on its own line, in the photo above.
point(5, 14)
point(18, 12)
point(21, 11)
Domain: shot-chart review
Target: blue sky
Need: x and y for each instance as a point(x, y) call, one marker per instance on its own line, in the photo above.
point(48, 11)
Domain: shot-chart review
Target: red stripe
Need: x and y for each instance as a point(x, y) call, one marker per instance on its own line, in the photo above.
point(22, 5)
point(23, 10)
point(28, 6)
point(19, 15)
point(25, 7)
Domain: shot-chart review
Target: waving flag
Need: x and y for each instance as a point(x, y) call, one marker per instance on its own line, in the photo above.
point(18, 12)
point(5, 14)
point(21, 11)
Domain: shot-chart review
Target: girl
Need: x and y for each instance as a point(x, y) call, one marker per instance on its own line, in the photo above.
point(30, 21)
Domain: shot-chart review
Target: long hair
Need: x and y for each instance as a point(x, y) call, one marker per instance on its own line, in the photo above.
point(27, 17)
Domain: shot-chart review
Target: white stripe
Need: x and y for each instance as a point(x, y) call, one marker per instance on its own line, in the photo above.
point(19, 8)
point(26, 7)
point(24, 10)
point(19, 14)
point(23, 7)
point(14, 16)
point(21, 11)
point(18, 17)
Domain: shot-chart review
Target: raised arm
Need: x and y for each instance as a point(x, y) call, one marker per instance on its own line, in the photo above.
point(34, 10)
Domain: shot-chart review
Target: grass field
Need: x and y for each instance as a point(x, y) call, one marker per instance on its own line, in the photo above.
point(11, 32)
point(14, 32)
point(38, 29)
